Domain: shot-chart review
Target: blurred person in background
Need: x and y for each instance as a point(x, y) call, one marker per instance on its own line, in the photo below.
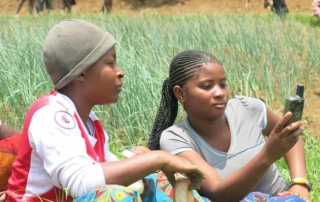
point(21, 2)
point(67, 6)
point(107, 6)
point(277, 6)
point(316, 9)
point(40, 3)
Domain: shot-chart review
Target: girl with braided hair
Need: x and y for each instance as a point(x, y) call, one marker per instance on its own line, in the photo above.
point(225, 138)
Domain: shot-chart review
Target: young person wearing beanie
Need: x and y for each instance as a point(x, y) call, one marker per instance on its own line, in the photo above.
point(64, 149)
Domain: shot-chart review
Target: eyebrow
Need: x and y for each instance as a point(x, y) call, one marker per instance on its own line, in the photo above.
point(114, 55)
point(223, 79)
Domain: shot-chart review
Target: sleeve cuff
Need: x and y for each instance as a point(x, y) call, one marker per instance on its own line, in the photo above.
point(178, 151)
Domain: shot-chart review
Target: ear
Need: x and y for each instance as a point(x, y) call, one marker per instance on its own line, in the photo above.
point(179, 93)
point(81, 78)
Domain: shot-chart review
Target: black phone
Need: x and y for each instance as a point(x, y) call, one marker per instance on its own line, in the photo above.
point(295, 105)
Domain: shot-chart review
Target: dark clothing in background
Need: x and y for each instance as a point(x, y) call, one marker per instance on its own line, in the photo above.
point(40, 3)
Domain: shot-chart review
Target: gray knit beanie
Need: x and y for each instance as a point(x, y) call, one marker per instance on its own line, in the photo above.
point(71, 47)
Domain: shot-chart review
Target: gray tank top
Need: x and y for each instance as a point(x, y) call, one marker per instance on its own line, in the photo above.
point(247, 118)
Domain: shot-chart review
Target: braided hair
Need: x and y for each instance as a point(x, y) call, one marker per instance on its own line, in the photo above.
point(183, 67)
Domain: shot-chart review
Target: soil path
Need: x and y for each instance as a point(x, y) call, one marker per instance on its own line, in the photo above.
point(190, 6)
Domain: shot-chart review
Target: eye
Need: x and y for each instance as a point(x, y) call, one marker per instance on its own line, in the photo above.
point(112, 64)
point(224, 85)
point(206, 86)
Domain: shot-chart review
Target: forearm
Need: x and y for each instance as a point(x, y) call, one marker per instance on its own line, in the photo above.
point(240, 183)
point(128, 171)
point(7, 131)
point(296, 161)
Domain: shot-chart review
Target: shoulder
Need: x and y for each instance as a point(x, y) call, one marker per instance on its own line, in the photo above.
point(247, 102)
point(49, 113)
point(173, 132)
point(52, 117)
point(252, 108)
point(175, 139)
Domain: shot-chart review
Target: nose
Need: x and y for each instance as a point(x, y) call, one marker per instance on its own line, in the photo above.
point(120, 73)
point(218, 91)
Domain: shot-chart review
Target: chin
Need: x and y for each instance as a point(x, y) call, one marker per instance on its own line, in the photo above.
point(114, 100)
point(107, 101)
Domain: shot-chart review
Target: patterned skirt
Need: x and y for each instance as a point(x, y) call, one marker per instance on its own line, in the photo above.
point(160, 190)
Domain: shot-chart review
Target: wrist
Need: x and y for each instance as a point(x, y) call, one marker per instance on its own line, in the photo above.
point(304, 182)
point(302, 187)
point(265, 158)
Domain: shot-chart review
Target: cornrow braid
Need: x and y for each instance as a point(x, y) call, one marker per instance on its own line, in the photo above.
point(183, 67)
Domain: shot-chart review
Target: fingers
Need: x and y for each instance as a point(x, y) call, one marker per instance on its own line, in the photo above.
point(295, 134)
point(195, 183)
point(195, 171)
point(292, 128)
point(279, 126)
point(196, 178)
point(2, 196)
point(288, 193)
point(282, 130)
point(307, 199)
point(140, 150)
point(285, 193)
point(194, 174)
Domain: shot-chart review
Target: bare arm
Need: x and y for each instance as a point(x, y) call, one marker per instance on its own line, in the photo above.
point(239, 184)
point(295, 157)
point(7, 131)
point(144, 164)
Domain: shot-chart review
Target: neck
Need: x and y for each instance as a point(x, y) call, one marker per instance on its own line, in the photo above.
point(82, 106)
point(205, 127)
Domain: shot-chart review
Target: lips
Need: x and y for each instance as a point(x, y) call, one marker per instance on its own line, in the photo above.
point(119, 87)
point(220, 105)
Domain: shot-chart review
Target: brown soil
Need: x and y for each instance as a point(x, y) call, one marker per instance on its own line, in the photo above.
point(128, 7)
point(312, 111)
point(174, 7)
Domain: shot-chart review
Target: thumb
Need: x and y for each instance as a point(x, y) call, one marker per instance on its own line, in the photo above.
point(285, 193)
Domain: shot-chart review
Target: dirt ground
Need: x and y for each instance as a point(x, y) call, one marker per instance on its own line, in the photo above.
point(132, 7)
point(175, 7)
point(312, 111)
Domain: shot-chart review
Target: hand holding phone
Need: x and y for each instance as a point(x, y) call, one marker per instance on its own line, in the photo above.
point(295, 105)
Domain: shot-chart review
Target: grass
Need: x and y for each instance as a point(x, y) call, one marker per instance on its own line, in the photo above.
point(263, 57)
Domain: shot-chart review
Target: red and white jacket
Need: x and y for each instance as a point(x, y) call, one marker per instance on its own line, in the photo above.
point(58, 158)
